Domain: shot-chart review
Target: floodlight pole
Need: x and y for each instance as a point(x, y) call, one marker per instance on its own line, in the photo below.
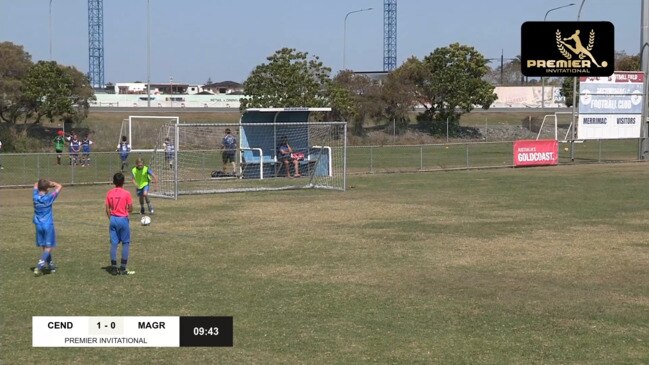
point(574, 100)
point(543, 78)
point(643, 147)
point(148, 53)
point(345, 31)
point(50, 29)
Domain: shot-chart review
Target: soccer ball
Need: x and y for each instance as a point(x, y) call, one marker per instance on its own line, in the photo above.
point(146, 220)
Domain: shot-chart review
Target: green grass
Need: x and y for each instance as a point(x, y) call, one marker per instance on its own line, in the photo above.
point(543, 265)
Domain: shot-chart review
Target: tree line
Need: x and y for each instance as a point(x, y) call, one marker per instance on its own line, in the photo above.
point(41, 91)
point(443, 85)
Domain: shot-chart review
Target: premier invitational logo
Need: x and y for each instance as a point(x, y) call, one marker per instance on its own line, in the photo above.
point(567, 49)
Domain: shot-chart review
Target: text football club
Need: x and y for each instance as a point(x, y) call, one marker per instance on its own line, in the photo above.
point(567, 49)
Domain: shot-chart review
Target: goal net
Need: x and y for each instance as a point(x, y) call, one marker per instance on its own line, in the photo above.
point(555, 126)
point(142, 131)
point(196, 159)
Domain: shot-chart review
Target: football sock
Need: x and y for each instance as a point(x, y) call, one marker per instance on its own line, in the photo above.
point(113, 253)
point(122, 265)
point(43, 260)
point(49, 258)
point(126, 248)
point(113, 262)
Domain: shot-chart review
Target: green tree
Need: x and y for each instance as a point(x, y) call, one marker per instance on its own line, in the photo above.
point(47, 91)
point(566, 90)
point(14, 65)
point(399, 95)
point(54, 91)
point(364, 97)
point(81, 94)
point(624, 62)
point(450, 82)
point(289, 79)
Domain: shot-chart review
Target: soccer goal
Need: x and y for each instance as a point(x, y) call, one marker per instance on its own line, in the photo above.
point(555, 126)
point(143, 131)
point(193, 160)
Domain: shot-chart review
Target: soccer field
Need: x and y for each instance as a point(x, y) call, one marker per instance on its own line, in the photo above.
point(534, 265)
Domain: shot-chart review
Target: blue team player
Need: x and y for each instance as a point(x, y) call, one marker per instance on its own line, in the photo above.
point(124, 148)
point(44, 222)
point(75, 147)
point(169, 152)
point(85, 151)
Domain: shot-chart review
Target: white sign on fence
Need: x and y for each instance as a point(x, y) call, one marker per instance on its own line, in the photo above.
point(610, 107)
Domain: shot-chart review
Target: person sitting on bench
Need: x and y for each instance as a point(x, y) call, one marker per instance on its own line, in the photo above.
point(284, 152)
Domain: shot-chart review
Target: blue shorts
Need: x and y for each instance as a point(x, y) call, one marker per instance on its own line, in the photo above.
point(45, 235)
point(123, 156)
point(140, 192)
point(119, 230)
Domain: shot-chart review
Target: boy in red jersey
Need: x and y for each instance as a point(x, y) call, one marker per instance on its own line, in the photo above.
point(119, 205)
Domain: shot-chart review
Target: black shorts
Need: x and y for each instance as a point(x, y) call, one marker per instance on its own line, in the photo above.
point(228, 156)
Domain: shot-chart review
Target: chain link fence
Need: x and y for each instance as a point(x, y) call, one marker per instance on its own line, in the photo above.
point(23, 169)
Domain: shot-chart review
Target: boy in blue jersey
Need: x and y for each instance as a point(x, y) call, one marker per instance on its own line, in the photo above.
point(75, 147)
point(44, 222)
point(168, 146)
point(85, 151)
point(124, 148)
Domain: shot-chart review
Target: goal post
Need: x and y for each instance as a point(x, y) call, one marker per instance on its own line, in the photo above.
point(198, 162)
point(555, 126)
point(142, 131)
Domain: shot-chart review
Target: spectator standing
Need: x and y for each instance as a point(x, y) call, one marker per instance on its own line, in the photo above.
point(229, 145)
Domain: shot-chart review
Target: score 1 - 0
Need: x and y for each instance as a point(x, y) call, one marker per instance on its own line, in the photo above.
point(106, 326)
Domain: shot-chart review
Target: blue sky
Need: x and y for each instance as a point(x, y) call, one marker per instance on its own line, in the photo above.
point(193, 40)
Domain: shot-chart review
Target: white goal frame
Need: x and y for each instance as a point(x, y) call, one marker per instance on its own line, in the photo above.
point(324, 159)
point(134, 118)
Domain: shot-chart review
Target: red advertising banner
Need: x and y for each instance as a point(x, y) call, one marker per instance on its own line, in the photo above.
point(542, 152)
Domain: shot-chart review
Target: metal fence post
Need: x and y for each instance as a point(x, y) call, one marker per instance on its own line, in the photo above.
point(599, 157)
point(421, 157)
point(447, 129)
point(371, 159)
